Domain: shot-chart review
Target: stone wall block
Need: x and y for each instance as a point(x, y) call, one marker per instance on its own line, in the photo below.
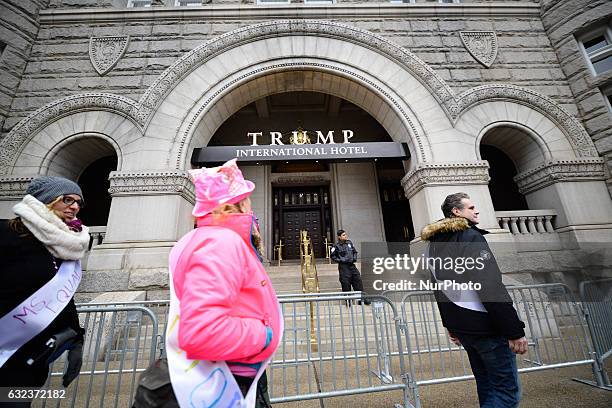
point(10, 36)
point(8, 80)
point(452, 25)
point(12, 61)
point(148, 278)
point(600, 123)
point(512, 25)
point(104, 281)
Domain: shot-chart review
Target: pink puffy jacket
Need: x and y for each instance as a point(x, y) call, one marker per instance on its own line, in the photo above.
point(226, 297)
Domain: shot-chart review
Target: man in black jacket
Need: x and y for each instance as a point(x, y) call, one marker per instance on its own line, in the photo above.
point(484, 321)
point(344, 253)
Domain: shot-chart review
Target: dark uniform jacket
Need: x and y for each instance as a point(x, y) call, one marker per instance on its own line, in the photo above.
point(344, 252)
point(454, 238)
point(26, 267)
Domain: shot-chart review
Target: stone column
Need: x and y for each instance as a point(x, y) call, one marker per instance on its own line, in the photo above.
point(427, 185)
point(150, 211)
point(576, 189)
point(261, 202)
point(357, 201)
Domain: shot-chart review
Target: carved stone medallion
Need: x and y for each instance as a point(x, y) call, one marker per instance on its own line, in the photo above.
point(482, 45)
point(104, 52)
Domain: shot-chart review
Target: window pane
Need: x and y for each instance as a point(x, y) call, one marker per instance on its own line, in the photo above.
point(603, 65)
point(595, 44)
point(139, 3)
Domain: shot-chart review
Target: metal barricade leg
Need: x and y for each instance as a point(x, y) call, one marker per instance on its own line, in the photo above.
point(597, 311)
point(382, 356)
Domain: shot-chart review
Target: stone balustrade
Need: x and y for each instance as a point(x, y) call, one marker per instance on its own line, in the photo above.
point(527, 222)
point(97, 232)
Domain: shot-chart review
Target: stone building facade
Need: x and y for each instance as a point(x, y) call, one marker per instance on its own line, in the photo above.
point(490, 98)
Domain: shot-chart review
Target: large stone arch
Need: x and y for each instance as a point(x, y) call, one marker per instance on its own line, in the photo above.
point(380, 66)
point(212, 110)
point(546, 139)
point(228, 80)
point(293, 28)
point(23, 150)
point(524, 107)
point(296, 40)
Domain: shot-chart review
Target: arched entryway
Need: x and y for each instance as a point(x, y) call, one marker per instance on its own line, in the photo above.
point(363, 196)
point(87, 159)
point(509, 150)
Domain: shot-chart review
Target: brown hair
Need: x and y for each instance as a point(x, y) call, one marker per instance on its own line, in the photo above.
point(17, 225)
point(221, 212)
point(453, 201)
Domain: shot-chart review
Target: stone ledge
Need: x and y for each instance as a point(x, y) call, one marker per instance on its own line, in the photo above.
point(445, 173)
point(160, 182)
point(13, 188)
point(587, 169)
point(260, 12)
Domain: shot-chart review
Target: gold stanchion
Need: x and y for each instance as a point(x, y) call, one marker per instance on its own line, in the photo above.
point(328, 247)
point(278, 249)
point(310, 280)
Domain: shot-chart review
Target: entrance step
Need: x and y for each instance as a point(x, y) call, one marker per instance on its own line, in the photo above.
point(286, 278)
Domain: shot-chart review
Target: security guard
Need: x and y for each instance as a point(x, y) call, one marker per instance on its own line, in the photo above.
point(344, 253)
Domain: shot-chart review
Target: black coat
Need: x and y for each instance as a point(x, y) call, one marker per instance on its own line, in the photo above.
point(27, 266)
point(344, 252)
point(456, 238)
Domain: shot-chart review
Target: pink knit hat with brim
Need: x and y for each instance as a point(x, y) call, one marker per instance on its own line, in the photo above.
point(219, 185)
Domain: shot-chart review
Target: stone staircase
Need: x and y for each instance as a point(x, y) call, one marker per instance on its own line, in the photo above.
point(286, 278)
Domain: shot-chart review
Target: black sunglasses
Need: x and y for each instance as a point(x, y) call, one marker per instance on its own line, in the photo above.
point(69, 201)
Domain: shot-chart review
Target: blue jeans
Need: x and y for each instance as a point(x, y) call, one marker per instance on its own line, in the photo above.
point(494, 367)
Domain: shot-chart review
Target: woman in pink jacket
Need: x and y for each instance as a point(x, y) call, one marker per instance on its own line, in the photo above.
point(228, 309)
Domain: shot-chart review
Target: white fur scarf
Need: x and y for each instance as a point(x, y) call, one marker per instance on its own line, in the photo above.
point(49, 229)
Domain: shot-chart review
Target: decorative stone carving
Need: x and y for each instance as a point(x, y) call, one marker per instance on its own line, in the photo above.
point(105, 52)
point(162, 182)
point(11, 144)
point(12, 188)
point(559, 171)
point(140, 112)
point(445, 174)
point(168, 79)
point(195, 117)
point(301, 180)
point(578, 137)
point(482, 45)
point(439, 88)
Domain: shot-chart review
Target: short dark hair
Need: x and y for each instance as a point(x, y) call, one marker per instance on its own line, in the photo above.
point(340, 232)
point(453, 201)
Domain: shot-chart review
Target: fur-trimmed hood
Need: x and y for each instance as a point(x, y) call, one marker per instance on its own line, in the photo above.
point(455, 224)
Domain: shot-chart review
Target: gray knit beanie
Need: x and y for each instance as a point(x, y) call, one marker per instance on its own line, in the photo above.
point(47, 188)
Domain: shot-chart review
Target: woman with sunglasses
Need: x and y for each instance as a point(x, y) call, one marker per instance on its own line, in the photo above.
point(41, 251)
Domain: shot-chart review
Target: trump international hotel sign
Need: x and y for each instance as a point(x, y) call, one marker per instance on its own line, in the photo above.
point(301, 146)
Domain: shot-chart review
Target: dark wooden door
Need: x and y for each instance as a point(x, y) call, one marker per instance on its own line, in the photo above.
point(293, 223)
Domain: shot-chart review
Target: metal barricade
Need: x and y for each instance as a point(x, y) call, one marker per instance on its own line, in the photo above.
point(334, 346)
point(340, 355)
point(554, 328)
point(596, 297)
point(120, 342)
